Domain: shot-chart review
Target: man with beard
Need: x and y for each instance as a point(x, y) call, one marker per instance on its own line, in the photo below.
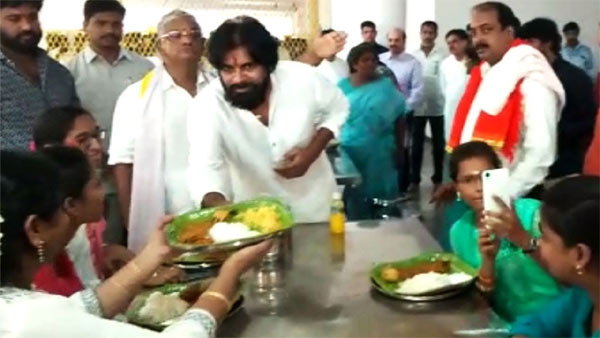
point(512, 100)
point(31, 81)
point(262, 128)
point(103, 69)
point(149, 146)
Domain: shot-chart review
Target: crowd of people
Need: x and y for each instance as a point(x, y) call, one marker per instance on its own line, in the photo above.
point(97, 151)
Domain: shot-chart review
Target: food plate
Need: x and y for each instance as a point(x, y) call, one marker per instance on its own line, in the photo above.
point(196, 287)
point(194, 260)
point(267, 216)
point(449, 260)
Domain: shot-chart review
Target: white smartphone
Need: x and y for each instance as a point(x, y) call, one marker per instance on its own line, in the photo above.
point(494, 184)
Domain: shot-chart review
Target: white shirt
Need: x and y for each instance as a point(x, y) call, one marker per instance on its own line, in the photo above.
point(536, 150)
point(233, 153)
point(408, 72)
point(61, 317)
point(99, 83)
point(127, 122)
point(335, 70)
point(433, 100)
point(453, 80)
point(79, 252)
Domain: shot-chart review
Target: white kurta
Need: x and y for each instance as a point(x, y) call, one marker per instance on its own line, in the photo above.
point(26, 314)
point(453, 80)
point(127, 122)
point(233, 153)
point(335, 70)
point(543, 98)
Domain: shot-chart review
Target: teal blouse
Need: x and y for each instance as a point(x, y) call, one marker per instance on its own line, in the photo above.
point(522, 286)
point(569, 315)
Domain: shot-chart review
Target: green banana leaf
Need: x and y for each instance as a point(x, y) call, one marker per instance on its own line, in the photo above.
point(173, 229)
point(456, 265)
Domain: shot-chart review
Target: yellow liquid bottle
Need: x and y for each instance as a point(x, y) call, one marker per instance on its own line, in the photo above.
point(337, 218)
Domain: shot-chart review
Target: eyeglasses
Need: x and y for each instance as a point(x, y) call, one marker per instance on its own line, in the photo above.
point(195, 34)
point(85, 140)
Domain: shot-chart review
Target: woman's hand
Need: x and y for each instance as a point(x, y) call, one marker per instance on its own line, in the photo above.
point(241, 261)
point(166, 274)
point(506, 224)
point(115, 257)
point(157, 249)
point(488, 244)
point(445, 193)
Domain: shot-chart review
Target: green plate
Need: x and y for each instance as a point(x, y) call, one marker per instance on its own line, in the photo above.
point(138, 302)
point(173, 229)
point(456, 265)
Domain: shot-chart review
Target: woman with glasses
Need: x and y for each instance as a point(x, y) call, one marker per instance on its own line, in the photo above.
point(87, 259)
point(501, 245)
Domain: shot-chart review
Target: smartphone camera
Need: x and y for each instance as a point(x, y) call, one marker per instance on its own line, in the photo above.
point(487, 175)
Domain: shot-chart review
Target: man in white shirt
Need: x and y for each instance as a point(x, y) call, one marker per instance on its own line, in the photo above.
point(453, 75)
point(430, 110)
point(261, 129)
point(149, 147)
point(103, 69)
point(407, 71)
point(512, 100)
point(333, 68)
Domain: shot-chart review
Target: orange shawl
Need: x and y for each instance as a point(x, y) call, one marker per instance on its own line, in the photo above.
point(500, 131)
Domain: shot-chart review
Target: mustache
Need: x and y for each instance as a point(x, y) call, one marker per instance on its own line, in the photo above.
point(481, 45)
point(109, 36)
point(29, 34)
point(243, 85)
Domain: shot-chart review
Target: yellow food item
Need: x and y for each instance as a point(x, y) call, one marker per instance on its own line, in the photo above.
point(262, 219)
point(390, 274)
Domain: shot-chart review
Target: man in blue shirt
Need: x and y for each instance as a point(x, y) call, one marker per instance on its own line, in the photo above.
point(575, 52)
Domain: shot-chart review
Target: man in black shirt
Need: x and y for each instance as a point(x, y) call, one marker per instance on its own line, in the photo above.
point(368, 31)
point(576, 125)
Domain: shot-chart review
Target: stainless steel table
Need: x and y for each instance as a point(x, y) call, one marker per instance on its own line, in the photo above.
point(319, 287)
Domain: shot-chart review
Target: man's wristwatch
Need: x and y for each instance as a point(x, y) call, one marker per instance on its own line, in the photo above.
point(532, 247)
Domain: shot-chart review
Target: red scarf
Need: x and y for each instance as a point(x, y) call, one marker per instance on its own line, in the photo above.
point(500, 131)
point(59, 278)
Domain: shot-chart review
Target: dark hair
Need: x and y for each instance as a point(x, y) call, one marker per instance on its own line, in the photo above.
point(52, 127)
point(571, 26)
point(29, 185)
point(93, 7)
point(37, 4)
point(358, 51)
point(243, 31)
point(506, 17)
point(327, 31)
point(431, 24)
point(572, 209)
point(459, 33)
point(543, 29)
point(369, 24)
point(468, 27)
point(470, 150)
point(75, 169)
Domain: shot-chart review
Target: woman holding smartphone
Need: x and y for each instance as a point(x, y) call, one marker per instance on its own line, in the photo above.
point(500, 244)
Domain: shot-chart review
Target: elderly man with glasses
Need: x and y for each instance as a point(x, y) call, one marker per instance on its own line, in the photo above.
point(149, 144)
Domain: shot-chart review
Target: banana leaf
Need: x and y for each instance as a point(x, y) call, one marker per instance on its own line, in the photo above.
point(173, 229)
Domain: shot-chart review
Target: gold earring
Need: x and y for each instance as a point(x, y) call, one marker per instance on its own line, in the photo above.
point(40, 252)
point(579, 270)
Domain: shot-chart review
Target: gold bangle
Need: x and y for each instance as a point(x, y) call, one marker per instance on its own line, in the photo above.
point(218, 296)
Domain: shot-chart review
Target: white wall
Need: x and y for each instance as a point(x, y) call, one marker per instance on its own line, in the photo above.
point(456, 14)
point(346, 15)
